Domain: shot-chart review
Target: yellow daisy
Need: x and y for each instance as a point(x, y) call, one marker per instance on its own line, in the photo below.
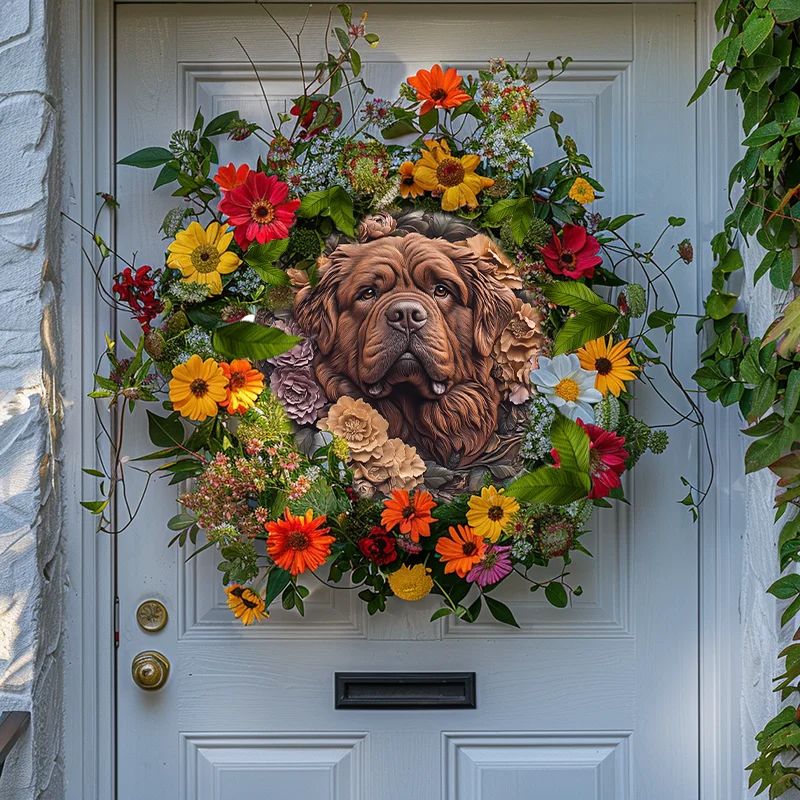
point(202, 255)
point(197, 387)
point(490, 513)
point(246, 604)
point(582, 191)
point(411, 583)
point(452, 177)
point(611, 363)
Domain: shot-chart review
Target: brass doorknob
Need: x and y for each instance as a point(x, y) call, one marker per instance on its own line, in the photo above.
point(150, 670)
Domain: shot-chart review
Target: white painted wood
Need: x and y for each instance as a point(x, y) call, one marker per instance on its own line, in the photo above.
point(642, 682)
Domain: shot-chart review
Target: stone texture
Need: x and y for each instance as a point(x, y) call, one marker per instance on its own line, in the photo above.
point(32, 576)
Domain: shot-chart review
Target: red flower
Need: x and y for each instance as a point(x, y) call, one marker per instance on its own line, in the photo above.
point(606, 459)
point(308, 118)
point(137, 292)
point(230, 177)
point(574, 255)
point(259, 210)
point(379, 546)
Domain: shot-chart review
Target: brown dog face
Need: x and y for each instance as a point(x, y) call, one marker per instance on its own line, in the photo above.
point(409, 324)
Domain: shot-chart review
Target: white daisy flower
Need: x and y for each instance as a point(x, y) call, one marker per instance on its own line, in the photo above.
point(570, 388)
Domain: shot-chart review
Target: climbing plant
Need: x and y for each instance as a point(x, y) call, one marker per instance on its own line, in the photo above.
point(759, 58)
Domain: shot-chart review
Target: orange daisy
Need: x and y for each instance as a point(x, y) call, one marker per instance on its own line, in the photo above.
point(297, 544)
point(411, 513)
point(461, 551)
point(408, 181)
point(438, 89)
point(230, 177)
point(245, 384)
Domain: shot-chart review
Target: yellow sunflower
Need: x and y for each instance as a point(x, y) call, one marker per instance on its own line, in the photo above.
point(246, 604)
point(197, 387)
point(611, 363)
point(452, 177)
point(582, 191)
point(411, 583)
point(490, 513)
point(202, 255)
point(408, 181)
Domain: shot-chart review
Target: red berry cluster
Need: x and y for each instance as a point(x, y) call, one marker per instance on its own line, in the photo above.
point(137, 292)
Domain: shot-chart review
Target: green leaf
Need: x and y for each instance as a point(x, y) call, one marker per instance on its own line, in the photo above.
point(500, 611)
point(788, 108)
point(551, 485)
point(785, 10)
point(95, 506)
point(400, 128)
point(785, 330)
point(95, 473)
point(572, 294)
point(556, 595)
point(785, 587)
point(618, 222)
point(792, 394)
point(705, 82)
point(441, 612)
point(340, 205)
point(500, 211)
point(428, 121)
point(346, 12)
point(344, 39)
point(313, 204)
point(572, 444)
point(585, 327)
point(660, 318)
point(263, 255)
point(780, 274)
point(277, 580)
point(167, 175)
point(147, 158)
point(521, 219)
point(731, 261)
point(372, 39)
point(272, 275)
point(763, 135)
point(165, 431)
point(251, 340)
point(720, 304)
point(757, 27)
point(221, 124)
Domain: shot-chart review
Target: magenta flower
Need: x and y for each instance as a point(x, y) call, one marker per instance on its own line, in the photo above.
point(493, 567)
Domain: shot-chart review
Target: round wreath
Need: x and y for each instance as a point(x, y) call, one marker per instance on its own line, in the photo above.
point(411, 362)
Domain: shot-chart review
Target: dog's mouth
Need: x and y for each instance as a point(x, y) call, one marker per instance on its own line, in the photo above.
point(408, 369)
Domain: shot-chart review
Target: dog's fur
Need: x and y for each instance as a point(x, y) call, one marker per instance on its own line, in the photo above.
point(409, 323)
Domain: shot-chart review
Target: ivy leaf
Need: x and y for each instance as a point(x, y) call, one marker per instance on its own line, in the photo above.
point(147, 158)
point(251, 340)
point(785, 10)
point(556, 486)
point(785, 330)
point(757, 27)
point(587, 326)
point(165, 431)
point(500, 611)
point(556, 595)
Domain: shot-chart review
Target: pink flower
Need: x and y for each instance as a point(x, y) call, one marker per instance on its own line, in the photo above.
point(606, 459)
point(574, 255)
point(493, 567)
point(258, 209)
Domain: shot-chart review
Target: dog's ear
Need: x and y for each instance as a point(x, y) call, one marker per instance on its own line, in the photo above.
point(315, 308)
point(492, 303)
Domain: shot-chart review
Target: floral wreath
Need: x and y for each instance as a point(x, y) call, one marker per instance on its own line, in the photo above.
point(285, 480)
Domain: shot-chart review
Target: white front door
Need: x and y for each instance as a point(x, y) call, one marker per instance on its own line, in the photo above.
point(598, 701)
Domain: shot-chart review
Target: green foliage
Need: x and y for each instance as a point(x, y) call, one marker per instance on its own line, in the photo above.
point(248, 340)
point(759, 58)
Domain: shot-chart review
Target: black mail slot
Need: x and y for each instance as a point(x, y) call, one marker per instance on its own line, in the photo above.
point(405, 690)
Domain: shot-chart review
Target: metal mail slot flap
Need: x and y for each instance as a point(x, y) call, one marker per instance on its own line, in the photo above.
point(417, 690)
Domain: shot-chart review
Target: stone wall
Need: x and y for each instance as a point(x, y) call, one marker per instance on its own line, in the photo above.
point(32, 576)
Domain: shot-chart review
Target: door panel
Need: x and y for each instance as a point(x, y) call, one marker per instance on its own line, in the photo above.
point(595, 701)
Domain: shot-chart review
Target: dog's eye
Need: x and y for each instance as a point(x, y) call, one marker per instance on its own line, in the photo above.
point(440, 290)
point(367, 294)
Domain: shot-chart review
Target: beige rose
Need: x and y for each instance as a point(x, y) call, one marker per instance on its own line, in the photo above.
point(298, 278)
point(359, 424)
point(395, 465)
point(494, 261)
point(376, 226)
point(517, 351)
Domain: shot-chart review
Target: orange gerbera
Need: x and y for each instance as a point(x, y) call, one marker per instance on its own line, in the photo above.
point(297, 544)
point(461, 551)
point(408, 181)
point(230, 177)
point(438, 89)
point(411, 513)
point(245, 384)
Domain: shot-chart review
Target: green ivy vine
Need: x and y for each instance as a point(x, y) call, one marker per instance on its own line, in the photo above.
point(759, 58)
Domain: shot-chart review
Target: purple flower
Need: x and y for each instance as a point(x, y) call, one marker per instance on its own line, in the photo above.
point(301, 355)
point(299, 392)
point(494, 566)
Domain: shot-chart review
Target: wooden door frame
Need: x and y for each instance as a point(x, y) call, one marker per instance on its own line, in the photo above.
point(87, 29)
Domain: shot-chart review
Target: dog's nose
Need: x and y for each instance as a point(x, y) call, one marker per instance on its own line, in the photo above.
point(407, 316)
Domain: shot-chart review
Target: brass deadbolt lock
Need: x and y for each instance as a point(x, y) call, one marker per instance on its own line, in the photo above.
point(151, 616)
point(150, 670)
